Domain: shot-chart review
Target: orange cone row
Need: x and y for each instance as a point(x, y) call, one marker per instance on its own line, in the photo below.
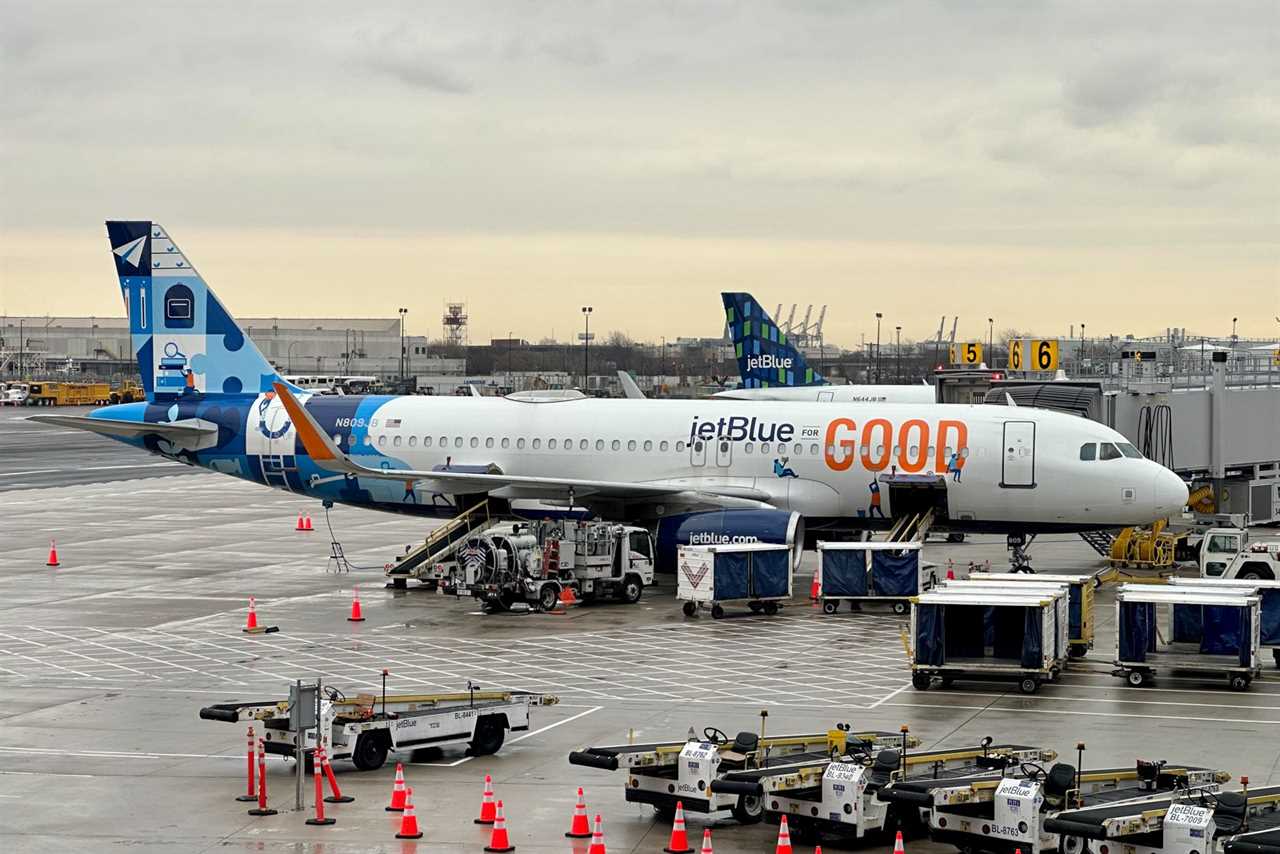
point(304, 522)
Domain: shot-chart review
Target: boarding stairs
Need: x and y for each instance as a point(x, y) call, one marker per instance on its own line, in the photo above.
point(1099, 541)
point(445, 540)
point(912, 528)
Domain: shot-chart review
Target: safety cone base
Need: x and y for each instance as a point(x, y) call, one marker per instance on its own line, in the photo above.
point(267, 811)
point(326, 821)
point(493, 850)
point(345, 799)
point(392, 809)
point(481, 821)
point(355, 619)
point(678, 850)
point(248, 798)
point(572, 835)
point(417, 835)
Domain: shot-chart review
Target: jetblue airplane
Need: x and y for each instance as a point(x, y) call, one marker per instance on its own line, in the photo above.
point(214, 401)
point(772, 368)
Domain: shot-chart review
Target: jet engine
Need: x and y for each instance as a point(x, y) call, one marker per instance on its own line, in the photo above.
point(728, 527)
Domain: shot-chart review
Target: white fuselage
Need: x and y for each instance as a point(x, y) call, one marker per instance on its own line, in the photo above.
point(1019, 468)
point(836, 394)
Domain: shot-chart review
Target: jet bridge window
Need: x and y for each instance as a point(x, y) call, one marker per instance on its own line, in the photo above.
point(1110, 452)
point(1089, 451)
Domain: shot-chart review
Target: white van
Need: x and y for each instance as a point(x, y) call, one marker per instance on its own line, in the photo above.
point(1229, 553)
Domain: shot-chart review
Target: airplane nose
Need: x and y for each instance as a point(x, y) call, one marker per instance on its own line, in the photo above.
point(1169, 492)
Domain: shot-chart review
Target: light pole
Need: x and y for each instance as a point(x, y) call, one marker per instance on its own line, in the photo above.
point(991, 340)
point(878, 316)
point(1233, 332)
point(1081, 368)
point(586, 344)
point(897, 347)
point(400, 368)
point(510, 381)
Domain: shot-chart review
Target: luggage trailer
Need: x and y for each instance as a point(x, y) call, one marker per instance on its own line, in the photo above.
point(1080, 600)
point(1209, 631)
point(1184, 823)
point(663, 773)
point(872, 571)
point(1268, 593)
point(758, 574)
point(364, 729)
point(838, 797)
point(981, 635)
point(1006, 814)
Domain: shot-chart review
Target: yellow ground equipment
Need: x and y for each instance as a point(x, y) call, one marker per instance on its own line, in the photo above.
point(1146, 548)
point(69, 394)
point(1202, 500)
point(127, 392)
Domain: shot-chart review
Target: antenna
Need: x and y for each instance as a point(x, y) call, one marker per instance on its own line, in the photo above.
point(455, 323)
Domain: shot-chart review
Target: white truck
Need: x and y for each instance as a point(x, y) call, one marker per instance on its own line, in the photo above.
point(1232, 553)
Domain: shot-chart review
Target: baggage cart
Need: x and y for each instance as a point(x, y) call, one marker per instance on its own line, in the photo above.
point(1204, 822)
point(872, 571)
point(1010, 814)
point(1268, 593)
point(711, 576)
point(1175, 628)
point(663, 773)
point(962, 634)
point(1080, 598)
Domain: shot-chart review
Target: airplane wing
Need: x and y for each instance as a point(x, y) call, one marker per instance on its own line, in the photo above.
point(186, 428)
point(630, 390)
point(325, 454)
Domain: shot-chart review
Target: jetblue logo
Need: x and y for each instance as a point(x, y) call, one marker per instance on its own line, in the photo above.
point(768, 361)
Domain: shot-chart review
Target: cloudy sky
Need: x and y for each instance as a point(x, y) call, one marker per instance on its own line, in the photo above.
point(1044, 164)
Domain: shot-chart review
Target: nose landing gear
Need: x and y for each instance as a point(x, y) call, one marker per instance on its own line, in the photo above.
point(1018, 545)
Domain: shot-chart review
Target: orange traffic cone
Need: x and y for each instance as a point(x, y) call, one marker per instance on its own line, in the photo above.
point(897, 844)
point(306, 523)
point(784, 837)
point(53, 555)
point(357, 616)
point(409, 821)
point(679, 843)
point(251, 621)
point(579, 828)
point(815, 588)
point(706, 841)
point(397, 793)
point(817, 849)
point(486, 803)
point(337, 797)
point(300, 526)
point(498, 841)
point(951, 574)
point(597, 838)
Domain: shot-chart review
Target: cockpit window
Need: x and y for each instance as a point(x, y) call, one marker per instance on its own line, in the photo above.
point(1110, 452)
point(1129, 450)
point(1089, 451)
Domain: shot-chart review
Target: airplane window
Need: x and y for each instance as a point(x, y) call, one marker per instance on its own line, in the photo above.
point(413, 441)
point(382, 441)
point(368, 440)
point(1129, 450)
point(616, 445)
point(337, 439)
point(1088, 451)
point(444, 441)
point(568, 444)
point(879, 450)
point(426, 441)
point(662, 446)
point(679, 447)
point(475, 443)
point(599, 444)
point(488, 443)
point(1110, 452)
point(648, 445)
point(631, 445)
point(537, 443)
point(813, 450)
point(914, 451)
point(947, 452)
point(396, 441)
point(749, 448)
point(797, 449)
point(583, 444)
point(457, 442)
point(519, 444)
point(697, 446)
point(764, 447)
point(506, 442)
point(551, 444)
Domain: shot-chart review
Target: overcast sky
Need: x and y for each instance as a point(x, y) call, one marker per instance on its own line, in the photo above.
point(1044, 164)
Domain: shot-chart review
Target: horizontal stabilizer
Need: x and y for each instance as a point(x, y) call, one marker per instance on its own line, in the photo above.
point(187, 428)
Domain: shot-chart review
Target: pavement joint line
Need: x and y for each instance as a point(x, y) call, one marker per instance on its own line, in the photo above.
point(995, 708)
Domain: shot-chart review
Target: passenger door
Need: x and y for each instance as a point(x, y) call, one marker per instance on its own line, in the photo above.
point(1018, 455)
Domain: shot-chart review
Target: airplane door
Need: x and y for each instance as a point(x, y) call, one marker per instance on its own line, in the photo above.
point(697, 453)
point(724, 452)
point(1018, 470)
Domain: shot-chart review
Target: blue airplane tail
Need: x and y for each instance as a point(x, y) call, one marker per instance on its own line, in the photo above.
point(765, 356)
point(185, 341)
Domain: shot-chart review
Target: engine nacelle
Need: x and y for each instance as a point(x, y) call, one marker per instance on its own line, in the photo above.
point(727, 527)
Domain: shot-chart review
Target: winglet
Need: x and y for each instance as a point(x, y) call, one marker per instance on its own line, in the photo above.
point(630, 390)
point(319, 446)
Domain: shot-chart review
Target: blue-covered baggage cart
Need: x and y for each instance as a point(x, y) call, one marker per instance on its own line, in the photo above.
point(1079, 601)
point(711, 576)
point(1268, 593)
point(985, 636)
point(872, 572)
point(1187, 629)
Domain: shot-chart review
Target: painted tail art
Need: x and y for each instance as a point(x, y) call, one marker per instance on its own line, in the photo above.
point(765, 357)
point(185, 341)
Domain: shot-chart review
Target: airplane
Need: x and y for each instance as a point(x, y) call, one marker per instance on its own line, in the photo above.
point(709, 471)
point(771, 368)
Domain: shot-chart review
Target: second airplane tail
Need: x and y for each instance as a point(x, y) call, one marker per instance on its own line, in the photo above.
point(766, 358)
